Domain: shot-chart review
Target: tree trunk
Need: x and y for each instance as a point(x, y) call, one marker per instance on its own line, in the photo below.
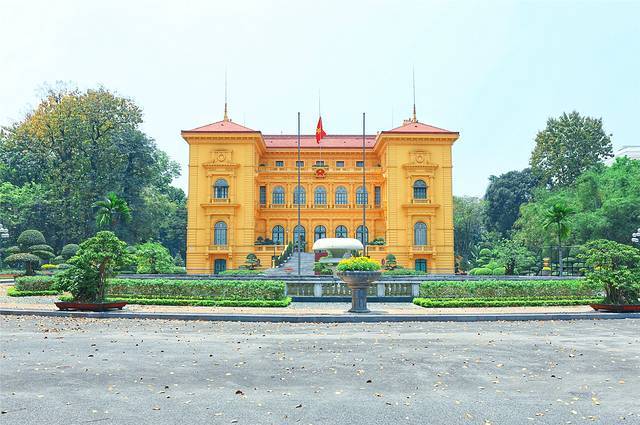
point(559, 252)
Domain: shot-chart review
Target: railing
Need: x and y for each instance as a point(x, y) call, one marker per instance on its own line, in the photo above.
point(425, 249)
point(421, 201)
point(337, 288)
point(218, 248)
point(275, 248)
point(318, 206)
point(220, 200)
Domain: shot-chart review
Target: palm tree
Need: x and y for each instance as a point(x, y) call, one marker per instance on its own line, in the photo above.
point(558, 216)
point(110, 210)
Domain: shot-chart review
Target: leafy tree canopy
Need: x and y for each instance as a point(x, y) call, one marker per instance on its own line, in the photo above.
point(605, 201)
point(569, 146)
point(72, 149)
point(504, 196)
point(468, 224)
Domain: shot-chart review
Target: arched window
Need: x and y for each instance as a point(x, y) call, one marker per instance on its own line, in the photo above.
point(220, 233)
point(361, 196)
point(362, 236)
point(299, 234)
point(341, 196)
point(221, 189)
point(277, 235)
point(319, 233)
point(341, 232)
point(420, 234)
point(419, 189)
point(320, 196)
point(277, 196)
point(299, 196)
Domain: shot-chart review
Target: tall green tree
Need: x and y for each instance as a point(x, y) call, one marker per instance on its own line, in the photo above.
point(569, 145)
point(504, 196)
point(468, 225)
point(557, 218)
point(77, 146)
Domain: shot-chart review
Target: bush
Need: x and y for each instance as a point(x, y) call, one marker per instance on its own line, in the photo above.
point(29, 238)
point(481, 271)
point(35, 283)
point(241, 272)
point(616, 269)
point(499, 271)
point(252, 262)
point(49, 267)
point(358, 264)
point(390, 262)
point(97, 259)
point(502, 302)
point(509, 288)
point(13, 292)
point(199, 302)
point(197, 289)
point(69, 250)
point(153, 258)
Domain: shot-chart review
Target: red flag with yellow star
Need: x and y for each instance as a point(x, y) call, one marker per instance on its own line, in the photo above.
point(319, 131)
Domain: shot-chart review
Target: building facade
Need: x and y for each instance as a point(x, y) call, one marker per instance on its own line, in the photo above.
point(243, 196)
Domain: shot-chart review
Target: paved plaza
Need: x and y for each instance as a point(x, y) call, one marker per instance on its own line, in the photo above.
point(119, 371)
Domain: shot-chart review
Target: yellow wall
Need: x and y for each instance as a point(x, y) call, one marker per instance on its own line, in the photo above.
point(396, 161)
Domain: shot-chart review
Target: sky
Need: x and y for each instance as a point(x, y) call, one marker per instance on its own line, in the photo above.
point(493, 70)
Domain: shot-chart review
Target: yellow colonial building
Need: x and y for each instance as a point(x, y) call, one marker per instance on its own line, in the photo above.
point(243, 197)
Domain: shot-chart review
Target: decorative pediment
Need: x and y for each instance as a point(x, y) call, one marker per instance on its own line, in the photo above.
point(220, 159)
point(420, 158)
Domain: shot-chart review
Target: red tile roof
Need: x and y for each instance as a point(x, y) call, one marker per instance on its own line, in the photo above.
point(309, 141)
point(221, 127)
point(418, 127)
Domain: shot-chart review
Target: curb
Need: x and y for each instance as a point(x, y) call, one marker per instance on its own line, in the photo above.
point(327, 318)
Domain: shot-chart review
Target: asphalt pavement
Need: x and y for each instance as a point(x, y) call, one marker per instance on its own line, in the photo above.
point(127, 371)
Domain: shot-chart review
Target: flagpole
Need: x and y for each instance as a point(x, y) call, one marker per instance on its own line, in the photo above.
point(294, 196)
point(366, 193)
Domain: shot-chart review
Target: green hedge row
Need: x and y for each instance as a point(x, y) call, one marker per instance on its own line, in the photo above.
point(238, 290)
point(502, 302)
point(403, 272)
point(35, 283)
point(241, 272)
point(195, 302)
point(13, 292)
point(510, 288)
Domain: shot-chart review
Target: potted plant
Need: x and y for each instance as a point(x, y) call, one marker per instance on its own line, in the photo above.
point(358, 273)
point(616, 269)
point(97, 259)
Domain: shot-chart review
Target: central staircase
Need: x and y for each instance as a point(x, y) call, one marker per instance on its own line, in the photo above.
point(290, 267)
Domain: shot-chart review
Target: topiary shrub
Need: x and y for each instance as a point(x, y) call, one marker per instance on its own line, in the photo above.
point(499, 271)
point(69, 250)
point(390, 262)
point(29, 238)
point(31, 249)
point(252, 262)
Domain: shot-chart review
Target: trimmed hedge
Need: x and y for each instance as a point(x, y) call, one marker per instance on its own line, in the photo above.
point(241, 272)
point(561, 289)
point(35, 283)
point(403, 272)
point(195, 302)
point(13, 292)
point(238, 290)
point(502, 302)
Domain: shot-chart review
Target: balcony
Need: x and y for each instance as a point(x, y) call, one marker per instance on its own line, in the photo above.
point(421, 201)
point(220, 200)
point(219, 249)
point(422, 249)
